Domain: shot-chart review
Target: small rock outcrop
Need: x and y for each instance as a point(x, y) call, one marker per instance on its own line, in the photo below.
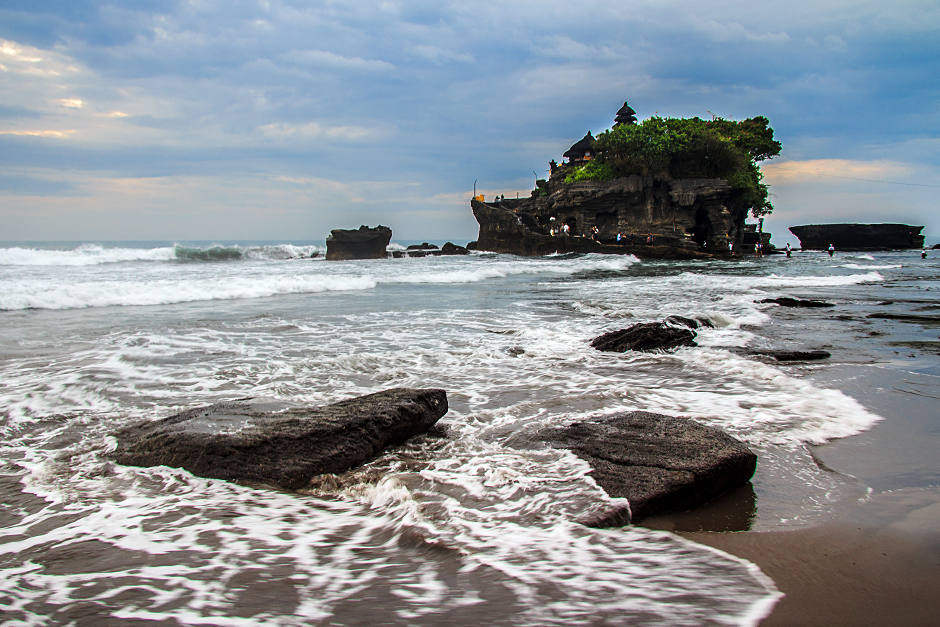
point(658, 463)
point(362, 243)
point(239, 441)
point(858, 236)
point(786, 301)
point(645, 336)
point(793, 355)
point(453, 249)
point(691, 323)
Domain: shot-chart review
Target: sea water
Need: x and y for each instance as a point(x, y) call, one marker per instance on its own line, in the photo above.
point(460, 528)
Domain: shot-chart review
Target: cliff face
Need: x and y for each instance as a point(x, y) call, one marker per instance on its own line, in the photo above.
point(858, 236)
point(687, 218)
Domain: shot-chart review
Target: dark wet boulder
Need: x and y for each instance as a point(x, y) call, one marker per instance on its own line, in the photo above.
point(646, 336)
point(658, 463)
point(453, 249)
point(794, 355)
point(362, 243)
point(691, 323)
point(246, 442)
point(786, 301)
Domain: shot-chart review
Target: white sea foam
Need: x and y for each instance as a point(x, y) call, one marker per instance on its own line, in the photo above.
point(481, 521)
point(25, 295)
point(85, 255)
point(856, 266)
point(181, 284)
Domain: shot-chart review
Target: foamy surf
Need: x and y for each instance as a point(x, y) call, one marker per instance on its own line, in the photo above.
point(467, 528)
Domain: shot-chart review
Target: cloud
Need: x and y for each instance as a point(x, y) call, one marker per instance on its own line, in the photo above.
point(71, 103)
point(735, 32)
point(315, 130)
point(27, 60)
point(56, 134)
point(439, 55)
point(18, 53)
point(795, 172)
point(325, 58)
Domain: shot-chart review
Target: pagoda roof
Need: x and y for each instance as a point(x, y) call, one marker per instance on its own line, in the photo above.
point(585, 144)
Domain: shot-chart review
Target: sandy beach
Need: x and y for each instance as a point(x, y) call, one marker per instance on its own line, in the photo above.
point(876, 560)
point(878, 564)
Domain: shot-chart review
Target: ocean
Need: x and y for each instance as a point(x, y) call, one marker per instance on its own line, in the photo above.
point(458, 528)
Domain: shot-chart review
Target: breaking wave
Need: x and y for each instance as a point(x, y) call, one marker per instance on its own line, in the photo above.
point(96, 254)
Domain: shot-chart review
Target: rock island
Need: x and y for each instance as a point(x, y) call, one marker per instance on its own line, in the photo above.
point(665, 187)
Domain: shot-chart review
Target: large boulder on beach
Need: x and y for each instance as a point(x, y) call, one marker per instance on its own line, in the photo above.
point(645, 336)
point(362, 243)
point(658, 463)
point(246, 442)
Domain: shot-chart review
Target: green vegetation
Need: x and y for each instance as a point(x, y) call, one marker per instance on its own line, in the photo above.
point(688, 148)
point(592, 170)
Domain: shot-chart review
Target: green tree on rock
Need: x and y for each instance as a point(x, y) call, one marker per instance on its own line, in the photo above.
point(688, 148)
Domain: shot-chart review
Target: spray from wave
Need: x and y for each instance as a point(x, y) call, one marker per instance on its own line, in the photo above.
point(96, 254)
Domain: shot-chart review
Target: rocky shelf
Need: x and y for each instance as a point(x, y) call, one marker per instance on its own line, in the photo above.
point(858, 236)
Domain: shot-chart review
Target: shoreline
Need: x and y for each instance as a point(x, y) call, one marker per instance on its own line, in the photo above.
point(877, 564)
point(873, 560)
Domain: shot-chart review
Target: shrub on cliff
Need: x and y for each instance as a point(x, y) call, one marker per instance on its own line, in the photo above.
point(591, 171)
point(689, 148)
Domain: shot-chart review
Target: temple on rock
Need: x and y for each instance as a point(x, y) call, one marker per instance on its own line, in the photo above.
point(606, 199)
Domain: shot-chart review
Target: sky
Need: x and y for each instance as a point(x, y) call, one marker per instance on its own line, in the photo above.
point(281, 120)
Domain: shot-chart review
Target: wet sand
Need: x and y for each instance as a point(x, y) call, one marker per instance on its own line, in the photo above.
point(875, 561)
point(859, 570)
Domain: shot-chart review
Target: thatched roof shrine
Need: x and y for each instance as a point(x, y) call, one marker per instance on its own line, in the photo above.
point(626, 115)
point(583, 148)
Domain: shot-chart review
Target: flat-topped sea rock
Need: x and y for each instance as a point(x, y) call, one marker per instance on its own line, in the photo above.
point(362, 243)
point(245, 442)
point(658, 463)
point(858, 236)
point(787, 301)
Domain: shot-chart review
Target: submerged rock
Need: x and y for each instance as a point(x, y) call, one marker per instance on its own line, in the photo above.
point(239, 441)
point(362, 243)
point(918, 318)
point(658, 463)
point(813, 355)
point(786, 301)
point(646, 336)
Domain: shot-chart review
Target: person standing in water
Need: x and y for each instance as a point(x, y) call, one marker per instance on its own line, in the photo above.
point(788, 249)
point(832, 249)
